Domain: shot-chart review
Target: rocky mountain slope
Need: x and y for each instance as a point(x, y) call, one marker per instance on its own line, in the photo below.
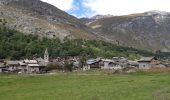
point(36, 17)
point(148, 31)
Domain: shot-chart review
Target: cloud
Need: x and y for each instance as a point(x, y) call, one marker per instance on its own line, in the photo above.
point(79, 10)
point(61, 4)
point(88, 8)
point(123, 7)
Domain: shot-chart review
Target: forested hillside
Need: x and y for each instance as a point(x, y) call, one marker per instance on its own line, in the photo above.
point(16, 45)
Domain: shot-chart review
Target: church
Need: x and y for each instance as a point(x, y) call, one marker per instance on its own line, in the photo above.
point(45, 61)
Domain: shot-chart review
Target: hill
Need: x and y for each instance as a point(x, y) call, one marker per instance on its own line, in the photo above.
point(147, 31)
point(42, 19)
point(16, 45)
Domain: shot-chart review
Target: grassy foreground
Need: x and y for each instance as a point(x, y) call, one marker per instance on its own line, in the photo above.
point(148, 86)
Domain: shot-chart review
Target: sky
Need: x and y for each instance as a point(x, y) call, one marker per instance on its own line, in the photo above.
point(89, 8)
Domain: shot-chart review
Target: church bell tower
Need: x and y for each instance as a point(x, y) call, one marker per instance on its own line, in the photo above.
point(46, 56)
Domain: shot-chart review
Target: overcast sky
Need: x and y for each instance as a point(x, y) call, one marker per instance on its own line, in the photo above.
point(88, 8)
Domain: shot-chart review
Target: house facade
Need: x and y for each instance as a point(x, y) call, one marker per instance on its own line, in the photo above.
point(147, 62)
point(2, 67)
point(133, 64)
point(110, 64)
point(12, 66)
point(32, 66)
point(94, 63)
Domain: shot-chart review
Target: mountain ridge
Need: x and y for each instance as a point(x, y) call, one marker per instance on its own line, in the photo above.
point(148, 31)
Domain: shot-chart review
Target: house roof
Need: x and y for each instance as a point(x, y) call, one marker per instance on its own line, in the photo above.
point(133, 63)
point(107, 60)
point(12, 62)
point(89, 62)
point(33, 61)
point(22, 64)
point(30, 61)
point(33, 65)
point(146, 59)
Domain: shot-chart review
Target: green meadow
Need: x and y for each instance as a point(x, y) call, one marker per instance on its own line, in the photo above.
point(86, 86)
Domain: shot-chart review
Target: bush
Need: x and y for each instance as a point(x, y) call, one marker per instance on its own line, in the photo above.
point(68, 66)
point(54, 66)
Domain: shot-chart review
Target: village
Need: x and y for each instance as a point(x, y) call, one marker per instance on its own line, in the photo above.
point(41, 65)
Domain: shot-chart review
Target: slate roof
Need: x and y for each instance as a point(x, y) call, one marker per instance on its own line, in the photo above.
point(146, 59)
point(22, 64)
point(30, 61)
point(107, 60)
point(133, 63)
point(33, 65)
point(89, 62)
point(12, 62)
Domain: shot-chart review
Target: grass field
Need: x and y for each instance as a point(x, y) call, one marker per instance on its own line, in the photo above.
point(139, 86)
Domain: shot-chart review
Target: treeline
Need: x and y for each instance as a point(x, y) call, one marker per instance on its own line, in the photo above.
point(163, 55)
point(16, 45)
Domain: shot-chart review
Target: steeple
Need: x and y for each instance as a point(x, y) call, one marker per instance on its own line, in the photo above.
point(46, 55)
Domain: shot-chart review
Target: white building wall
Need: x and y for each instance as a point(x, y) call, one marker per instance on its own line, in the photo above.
point(143, 65)
point(32, 69)
point(110, 66)
point(117, 67)
point(105, 66)
point(86, 68)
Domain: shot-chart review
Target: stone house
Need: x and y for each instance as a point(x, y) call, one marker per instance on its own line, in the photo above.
point(110, 64)
point(94, 63)
point(148, 62)
point(12, 66)
point(86, 68)
point(2, 67)
point(25, 66)
point(121, 61)
point(22, 67)
point(133, 64)
point(32, 66)
point(76, 65)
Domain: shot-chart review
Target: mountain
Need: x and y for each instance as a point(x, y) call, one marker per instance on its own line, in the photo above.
point(40, 18)
point(87, 21)
point(148, 31)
